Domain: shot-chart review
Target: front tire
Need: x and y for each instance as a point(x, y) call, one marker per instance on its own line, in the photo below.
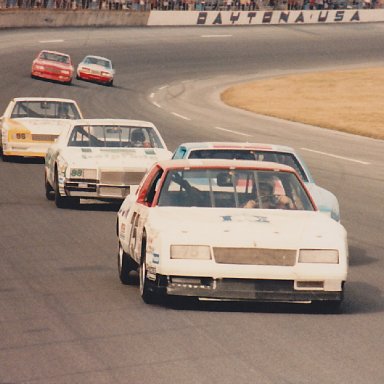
point(125, 264)
point(63, 201)
point(49, 192)
point(146, 293)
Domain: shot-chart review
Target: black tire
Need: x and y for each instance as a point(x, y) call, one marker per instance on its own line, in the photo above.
point(63, 201)
point(125, 264)
point(49, 192)
point(146, 293)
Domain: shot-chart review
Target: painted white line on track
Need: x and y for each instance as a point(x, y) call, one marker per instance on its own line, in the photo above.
point(162, 87)
point(235, 132)
point(52, 41)
point(336, 156)
point(152, 95)
point(181, 116)
point(157, 105)
point(209, 36)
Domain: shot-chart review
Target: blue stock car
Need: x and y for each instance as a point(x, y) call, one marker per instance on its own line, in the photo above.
point(325, 200)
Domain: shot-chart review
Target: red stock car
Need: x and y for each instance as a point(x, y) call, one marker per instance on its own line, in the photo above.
point(53, 65)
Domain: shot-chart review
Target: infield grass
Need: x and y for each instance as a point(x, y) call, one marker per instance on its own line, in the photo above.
point(344, 100)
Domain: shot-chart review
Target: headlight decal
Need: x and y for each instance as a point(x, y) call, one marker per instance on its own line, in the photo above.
point(191, 252)
point(322, 256)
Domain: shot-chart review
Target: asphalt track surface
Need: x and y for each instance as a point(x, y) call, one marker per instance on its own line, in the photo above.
point(65, 317)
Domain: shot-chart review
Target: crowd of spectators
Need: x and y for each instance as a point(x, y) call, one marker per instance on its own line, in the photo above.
point(199, 5)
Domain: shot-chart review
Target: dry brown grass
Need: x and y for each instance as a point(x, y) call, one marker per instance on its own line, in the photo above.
point(348, 100)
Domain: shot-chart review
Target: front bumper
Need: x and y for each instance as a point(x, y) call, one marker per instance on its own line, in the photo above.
point(94, 77)
point(95, 190)
point(25, 149)
point(242, 289)
point(52, 76)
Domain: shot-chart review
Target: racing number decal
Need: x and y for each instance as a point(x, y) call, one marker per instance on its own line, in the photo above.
point(133, 234)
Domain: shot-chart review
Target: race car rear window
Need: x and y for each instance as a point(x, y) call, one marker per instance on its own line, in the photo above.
point(45, 110)
point(250, 154)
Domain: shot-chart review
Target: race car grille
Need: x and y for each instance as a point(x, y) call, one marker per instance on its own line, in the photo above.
point(43, 137)
point(50, 69)
point(121, 178)
point(255, 256)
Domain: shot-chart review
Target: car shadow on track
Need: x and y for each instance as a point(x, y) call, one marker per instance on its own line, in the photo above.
point(99, 206)
point(24, 160)
point(358, 257)
point(359, 298)
point(245, 306)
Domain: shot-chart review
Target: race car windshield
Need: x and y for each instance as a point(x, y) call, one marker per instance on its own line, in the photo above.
point(114, 136)
point(228, 188)
point(42, 109)
point(97, 61)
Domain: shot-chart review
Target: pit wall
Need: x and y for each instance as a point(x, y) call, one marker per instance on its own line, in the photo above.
point(42, 18)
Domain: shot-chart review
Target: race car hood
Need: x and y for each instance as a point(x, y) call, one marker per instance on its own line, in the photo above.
point(37, 126)
point(139, 158)
point(246, 227)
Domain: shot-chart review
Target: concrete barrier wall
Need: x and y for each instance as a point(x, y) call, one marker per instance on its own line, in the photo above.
point(217, 18)
point(42, 18)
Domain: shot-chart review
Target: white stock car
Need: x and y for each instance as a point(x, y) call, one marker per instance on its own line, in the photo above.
point(30, 125)
point(325, 200)
point(101, 159)
point(189, 231)
point(96, 68)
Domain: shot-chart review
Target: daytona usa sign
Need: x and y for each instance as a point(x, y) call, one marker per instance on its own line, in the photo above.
point(217, 18)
